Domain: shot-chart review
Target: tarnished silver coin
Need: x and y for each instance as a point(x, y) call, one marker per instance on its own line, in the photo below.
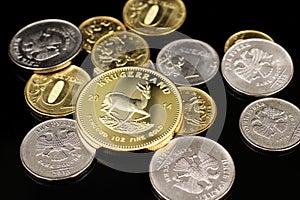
point(257, 67)
point(192, 167)
point(188, 62)
point(53, 150)
point(45, 45)
point(271, 124)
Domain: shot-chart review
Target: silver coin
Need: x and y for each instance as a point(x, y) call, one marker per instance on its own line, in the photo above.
point(52, 150)
point(192, 167)
point(257, 67)
point(271, 124)
point(188, 62)
point(43, 45)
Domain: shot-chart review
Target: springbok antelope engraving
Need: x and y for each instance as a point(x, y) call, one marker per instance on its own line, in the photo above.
point(118, 100)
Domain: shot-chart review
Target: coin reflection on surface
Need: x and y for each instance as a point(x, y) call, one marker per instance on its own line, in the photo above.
point(55, 94)
point(154, 18)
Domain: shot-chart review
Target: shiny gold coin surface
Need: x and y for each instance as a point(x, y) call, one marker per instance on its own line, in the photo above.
point(55, 94)
point(96, 27)
point(245, 34)
point(128, 109)
point(199, 111)
point(158, 17)
point(120, 49)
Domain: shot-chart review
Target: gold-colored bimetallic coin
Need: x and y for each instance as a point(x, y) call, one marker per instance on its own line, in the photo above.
point(129, 109)
point(199, 111)
point(245, 34)
point(120, 49)
point(55, 94)
point(154, 17)
point(94, 28)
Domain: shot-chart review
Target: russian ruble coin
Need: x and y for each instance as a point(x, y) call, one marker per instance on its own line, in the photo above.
point(94, 28)
point(271, 124)
point(188, 62)
point(192, 167)
point(153, 18)
point(52, 150)
point(120, 49)
point(129, 109)
point(54, 94)
point(46, 45)
point(257, 67)
point(245, 34)
point(199, 111)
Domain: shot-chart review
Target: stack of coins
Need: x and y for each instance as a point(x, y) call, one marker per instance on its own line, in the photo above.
point(130, 104)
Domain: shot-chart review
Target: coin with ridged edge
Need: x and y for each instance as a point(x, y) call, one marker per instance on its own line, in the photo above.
point(153, 18)
point(128, 109)
point(52, 150)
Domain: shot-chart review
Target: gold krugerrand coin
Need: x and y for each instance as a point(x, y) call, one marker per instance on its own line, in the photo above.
point(245, 34)
point(94, 28)
point(55, 94)
point(129, 109)
point(148, 17)
point(199, 111)
point(120, 49)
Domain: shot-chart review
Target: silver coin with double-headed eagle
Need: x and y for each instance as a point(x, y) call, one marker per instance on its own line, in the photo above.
point(54, 150)
point(45, 45)
point(271, 124)
point(257, 67)
point(192, 167)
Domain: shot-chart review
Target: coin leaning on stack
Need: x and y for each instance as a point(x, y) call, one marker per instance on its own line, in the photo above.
point(127, 106)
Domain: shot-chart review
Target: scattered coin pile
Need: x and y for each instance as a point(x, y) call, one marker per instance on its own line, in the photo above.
point(132, 104)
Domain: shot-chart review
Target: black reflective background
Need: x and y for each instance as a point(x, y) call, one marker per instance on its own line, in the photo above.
point(259, 175)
